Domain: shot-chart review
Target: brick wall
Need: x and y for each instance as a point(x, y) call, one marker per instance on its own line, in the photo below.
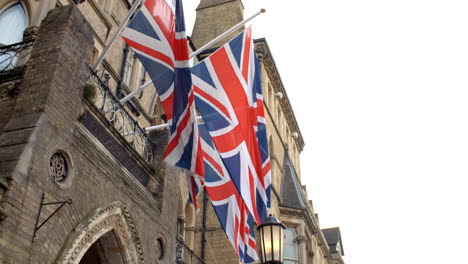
point(44, 121)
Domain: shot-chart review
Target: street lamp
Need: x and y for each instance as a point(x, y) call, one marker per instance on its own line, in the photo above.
point(271, 240)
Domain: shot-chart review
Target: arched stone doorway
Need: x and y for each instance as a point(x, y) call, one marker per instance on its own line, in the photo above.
point(107, 235)
point(106, 250)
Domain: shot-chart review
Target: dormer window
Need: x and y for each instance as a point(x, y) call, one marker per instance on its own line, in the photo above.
point(338, 248)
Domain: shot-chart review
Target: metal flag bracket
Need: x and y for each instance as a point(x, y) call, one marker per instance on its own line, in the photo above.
point(37, 226)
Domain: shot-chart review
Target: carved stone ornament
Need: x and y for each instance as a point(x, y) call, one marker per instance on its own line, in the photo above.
point(58, 167)
point(113, 217)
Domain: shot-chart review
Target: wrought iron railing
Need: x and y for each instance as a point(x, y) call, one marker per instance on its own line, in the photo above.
point(184, 255)
point(13, 57)
point(110, 106)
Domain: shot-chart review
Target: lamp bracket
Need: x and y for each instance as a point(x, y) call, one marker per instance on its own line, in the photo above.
point(38, 226)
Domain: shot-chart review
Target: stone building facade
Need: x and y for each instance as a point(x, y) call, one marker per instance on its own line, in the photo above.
point(66, 143)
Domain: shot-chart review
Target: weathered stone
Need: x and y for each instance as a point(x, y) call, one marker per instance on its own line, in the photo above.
point(102, 169)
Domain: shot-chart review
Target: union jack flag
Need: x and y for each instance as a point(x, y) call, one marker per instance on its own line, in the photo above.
point(157, 36)
point(228, 205)
point(195, 184)
point(262, 137)
point(228, 95)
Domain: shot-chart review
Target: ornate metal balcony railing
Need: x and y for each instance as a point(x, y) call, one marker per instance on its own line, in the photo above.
point(13, 57)
point(109, 105)
point(189, 258)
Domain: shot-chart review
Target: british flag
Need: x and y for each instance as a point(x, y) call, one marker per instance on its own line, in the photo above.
point(262, 133)
point(194, 183)
point(228, 95)
point(228, 205)
point(157, 36)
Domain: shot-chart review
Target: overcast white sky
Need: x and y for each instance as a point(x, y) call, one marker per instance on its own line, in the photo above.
point(380, 91)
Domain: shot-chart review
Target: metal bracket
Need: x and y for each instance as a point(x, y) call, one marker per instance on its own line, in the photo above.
point(37, 226)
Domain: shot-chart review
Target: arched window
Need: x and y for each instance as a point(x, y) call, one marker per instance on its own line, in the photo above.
point(13, 21)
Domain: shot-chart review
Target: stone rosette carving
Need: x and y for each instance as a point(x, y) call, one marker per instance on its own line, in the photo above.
point(112, 217)
point(58, 167)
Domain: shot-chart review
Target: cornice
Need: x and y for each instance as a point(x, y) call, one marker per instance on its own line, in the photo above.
point(267, 60)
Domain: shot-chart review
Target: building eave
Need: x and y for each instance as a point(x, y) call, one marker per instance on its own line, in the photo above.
point(264, 53)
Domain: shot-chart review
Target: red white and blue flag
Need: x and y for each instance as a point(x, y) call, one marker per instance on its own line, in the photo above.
point(157, 36)
point(227, 86)
point(194, 184)
point(262, 137)
point(228, 205)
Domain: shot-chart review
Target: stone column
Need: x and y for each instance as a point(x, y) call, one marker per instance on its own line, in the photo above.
point(301, 244)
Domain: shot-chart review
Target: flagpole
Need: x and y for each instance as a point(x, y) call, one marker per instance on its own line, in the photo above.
point(132, 94)
point(198, 51)
point(153, 128)
point(124, 23)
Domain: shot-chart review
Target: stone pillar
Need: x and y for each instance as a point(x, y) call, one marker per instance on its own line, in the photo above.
point(58, 66)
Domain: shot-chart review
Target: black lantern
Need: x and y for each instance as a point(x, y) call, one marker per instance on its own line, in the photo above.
point(271, 241)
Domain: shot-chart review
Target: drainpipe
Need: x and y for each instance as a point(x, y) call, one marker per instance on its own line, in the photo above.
point(205, 203)
point(122, 72)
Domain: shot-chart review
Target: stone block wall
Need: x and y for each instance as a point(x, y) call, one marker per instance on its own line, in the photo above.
point(212, 22)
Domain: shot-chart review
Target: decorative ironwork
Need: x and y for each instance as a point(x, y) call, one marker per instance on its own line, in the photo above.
point(13, 57)
point(38, 226)
point(123, 122)
point(58, 167)
point(189, 258)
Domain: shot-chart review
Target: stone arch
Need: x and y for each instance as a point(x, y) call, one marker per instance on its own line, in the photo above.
point(113, 217)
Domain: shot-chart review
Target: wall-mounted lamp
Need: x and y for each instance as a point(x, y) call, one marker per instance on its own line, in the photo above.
point(279, 95)
point(271, 241)
point(294, 134)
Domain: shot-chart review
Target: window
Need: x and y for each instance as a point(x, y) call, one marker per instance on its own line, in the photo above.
point(290, 246)
point(127, 78)
point(13, 22)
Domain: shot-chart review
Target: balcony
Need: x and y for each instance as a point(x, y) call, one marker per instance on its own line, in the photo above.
point(104, 100)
